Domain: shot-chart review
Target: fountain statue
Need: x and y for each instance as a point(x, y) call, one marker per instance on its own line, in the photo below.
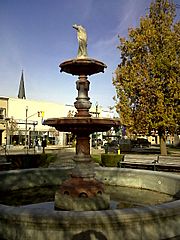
point(82, 191)
point(82, 39)
point(58, 203)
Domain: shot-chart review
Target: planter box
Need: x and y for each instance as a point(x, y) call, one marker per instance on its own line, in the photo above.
point(111, 160)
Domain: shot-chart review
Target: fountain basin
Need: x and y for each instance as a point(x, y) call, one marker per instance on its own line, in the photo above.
point(85, 124)
point(82, 66)
point(152, 222)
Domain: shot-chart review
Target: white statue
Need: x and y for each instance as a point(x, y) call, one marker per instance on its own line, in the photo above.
point(82, 40)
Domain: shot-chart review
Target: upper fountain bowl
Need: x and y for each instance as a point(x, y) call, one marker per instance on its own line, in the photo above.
point(82, 66)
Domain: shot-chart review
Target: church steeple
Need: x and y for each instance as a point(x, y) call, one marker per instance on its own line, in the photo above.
point(21, 93)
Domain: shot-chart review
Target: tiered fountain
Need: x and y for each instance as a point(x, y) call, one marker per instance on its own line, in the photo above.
point(80, 190)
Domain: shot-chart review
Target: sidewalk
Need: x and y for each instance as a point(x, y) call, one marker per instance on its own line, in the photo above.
point(10, 149)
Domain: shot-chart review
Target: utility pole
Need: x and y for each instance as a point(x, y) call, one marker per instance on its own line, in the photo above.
point(26, 144)
point(97, 115)
point(7, 135)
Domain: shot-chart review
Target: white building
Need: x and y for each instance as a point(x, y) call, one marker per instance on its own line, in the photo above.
point(21, 121)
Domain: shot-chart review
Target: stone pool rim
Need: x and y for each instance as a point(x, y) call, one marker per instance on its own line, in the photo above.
point(151, 222)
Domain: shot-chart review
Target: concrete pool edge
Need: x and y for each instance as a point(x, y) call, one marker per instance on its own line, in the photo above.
point(153, 222)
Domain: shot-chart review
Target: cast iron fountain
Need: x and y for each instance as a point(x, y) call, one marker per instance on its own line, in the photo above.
point(82, 183)
point(81, 189)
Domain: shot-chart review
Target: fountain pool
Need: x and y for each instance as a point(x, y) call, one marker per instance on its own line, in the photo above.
point(155, 217)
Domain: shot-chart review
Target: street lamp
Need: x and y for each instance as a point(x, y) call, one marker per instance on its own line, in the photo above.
point(26, 145)
point(40, 114)
point(97, 115)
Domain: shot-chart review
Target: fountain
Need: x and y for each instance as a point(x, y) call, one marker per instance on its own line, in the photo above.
point(81, 208)
point(82, 183)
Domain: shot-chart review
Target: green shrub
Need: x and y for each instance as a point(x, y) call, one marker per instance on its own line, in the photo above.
point(111, 160)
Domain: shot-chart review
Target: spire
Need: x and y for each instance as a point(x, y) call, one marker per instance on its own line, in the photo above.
point(21, 93)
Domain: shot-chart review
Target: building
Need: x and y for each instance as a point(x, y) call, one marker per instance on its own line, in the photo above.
point(3, 116)
point(21, 121)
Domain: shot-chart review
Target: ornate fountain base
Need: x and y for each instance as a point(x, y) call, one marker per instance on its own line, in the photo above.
point(80, 194)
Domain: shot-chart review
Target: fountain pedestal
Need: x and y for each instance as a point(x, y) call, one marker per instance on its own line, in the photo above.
point(82, 191)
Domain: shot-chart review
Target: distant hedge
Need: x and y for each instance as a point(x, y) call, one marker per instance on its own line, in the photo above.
point(25, 161)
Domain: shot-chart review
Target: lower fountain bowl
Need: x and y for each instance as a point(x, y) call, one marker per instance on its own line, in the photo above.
point(159, 221)
point(83, 124)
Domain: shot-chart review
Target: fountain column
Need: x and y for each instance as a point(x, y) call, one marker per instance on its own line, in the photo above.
point(82, 182)
point(82, 104)
point(82, 158)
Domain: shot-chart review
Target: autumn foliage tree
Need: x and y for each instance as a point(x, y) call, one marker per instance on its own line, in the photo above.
point(12, 128)
point(147, 81)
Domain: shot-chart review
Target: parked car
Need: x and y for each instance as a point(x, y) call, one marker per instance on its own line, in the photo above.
point(140, 142)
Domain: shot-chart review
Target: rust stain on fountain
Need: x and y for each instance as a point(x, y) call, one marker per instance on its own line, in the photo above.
point(82, 183)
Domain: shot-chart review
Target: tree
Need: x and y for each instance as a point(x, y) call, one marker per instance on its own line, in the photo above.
point(147, 81)
point(12, 128)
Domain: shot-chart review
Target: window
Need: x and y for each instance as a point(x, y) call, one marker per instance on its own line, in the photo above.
point(2, 113)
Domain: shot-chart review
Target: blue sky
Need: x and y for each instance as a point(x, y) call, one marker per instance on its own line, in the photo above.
point(37, 35)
